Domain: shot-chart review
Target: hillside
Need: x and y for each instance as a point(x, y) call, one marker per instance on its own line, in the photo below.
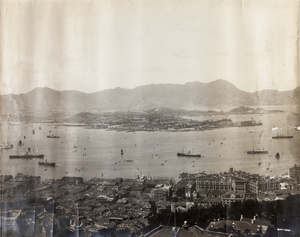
point(190, 96)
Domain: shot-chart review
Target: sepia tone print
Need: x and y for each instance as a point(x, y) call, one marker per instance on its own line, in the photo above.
point(149, 118)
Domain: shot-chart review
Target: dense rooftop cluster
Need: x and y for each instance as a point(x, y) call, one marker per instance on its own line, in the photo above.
point(68, 205)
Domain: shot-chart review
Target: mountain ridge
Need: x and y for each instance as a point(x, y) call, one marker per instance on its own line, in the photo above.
point(156, 84)
point(190, 96)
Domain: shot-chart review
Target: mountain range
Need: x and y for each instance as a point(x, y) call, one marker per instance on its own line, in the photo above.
point(190, 96)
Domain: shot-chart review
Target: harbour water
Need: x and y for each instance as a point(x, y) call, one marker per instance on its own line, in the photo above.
point(97, 153)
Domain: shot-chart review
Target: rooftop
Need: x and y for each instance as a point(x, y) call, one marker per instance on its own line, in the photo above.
point(194, 231)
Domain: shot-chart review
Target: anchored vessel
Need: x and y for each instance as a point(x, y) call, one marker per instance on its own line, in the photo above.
point(280, 136)
point(129, 160)
point(26, 156)
point(46, 163)
point(52, 136)
point(249, 123)
point(188, 154)
point(257, 152)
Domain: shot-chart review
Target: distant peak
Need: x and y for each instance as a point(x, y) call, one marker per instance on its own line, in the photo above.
point(215, 83)
point(193, 83)
point(42, 88)
point(220, 81)
point(39, 89)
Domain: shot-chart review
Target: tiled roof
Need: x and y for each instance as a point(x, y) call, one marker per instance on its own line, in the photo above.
point(239, 225)
point(194, 231)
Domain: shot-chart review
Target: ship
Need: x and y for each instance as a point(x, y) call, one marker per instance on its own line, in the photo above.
point(281, 136)
point(189, 154)
point(46, 163)
point(249, 123)
point(26, 156)
point(257, 152)
point(52, 136)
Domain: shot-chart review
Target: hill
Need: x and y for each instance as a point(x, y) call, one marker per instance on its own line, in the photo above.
point(218, 94)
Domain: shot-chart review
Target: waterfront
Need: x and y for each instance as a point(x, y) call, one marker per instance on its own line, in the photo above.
point(97, 153)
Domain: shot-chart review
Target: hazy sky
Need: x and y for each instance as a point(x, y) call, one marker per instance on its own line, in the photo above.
point(91, 45)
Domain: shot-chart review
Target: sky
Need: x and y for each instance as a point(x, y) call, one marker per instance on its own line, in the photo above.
point(92, 45)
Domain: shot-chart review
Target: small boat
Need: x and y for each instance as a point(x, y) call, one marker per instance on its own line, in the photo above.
point(189, 154)
point(52, 136)
point(46, 163)
point(26, 156)
point(258, 151)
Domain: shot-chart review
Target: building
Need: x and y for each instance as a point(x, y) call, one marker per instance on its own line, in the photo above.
point(73, 180)
point(239, 185)
point(213, 182)
point(160, 194)
point(269, 184)
point(295, 173)
point(189, 190)
point(253, 186)
point(231, 197)
point(235, 228)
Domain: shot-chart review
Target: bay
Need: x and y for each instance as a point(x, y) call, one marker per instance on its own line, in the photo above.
point(92, 153)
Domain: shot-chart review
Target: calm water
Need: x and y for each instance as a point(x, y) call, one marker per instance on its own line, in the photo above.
point(153, 153)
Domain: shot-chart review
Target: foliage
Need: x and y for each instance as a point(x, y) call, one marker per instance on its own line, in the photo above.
point(283, 213)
